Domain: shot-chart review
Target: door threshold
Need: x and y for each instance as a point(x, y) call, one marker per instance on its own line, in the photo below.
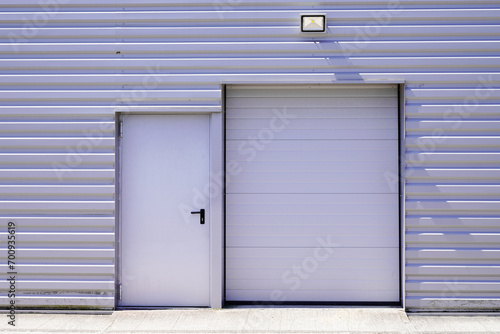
point(153, 308)
point(258, 304)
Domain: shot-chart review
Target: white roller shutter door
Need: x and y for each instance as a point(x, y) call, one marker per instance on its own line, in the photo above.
point(312, 210)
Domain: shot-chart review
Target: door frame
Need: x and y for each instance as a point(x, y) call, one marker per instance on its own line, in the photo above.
point(401, 88)
point(216, 185)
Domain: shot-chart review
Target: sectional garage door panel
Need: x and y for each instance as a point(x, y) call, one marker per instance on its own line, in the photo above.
point(311, 129)
point(304, 295)
point(312, 213)
point(320, 166)
point(350, 274)
point(318, 215)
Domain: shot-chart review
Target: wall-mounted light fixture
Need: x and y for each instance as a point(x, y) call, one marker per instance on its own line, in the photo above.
point(313, 22)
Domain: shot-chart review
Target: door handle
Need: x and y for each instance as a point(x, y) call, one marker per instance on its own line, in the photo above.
point(202, 215)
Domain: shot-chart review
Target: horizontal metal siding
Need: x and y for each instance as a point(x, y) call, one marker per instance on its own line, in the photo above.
point(57, 186)
point(84, 58)
point(256, 4)
point(453, 199)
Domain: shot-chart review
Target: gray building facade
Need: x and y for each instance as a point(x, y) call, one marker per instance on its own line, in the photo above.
point(357, 165)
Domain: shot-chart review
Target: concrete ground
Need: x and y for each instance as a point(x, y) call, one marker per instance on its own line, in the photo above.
point(254, 320)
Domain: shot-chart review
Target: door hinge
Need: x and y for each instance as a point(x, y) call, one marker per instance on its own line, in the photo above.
point(120, 129)
point(119, 292)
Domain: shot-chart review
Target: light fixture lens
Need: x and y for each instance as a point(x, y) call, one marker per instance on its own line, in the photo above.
point(313, 23)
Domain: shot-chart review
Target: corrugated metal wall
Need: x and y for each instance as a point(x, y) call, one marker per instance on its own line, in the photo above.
point(57, 186)
point(66, 65)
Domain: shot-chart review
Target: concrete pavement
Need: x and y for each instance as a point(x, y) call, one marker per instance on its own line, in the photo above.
point(254, 320)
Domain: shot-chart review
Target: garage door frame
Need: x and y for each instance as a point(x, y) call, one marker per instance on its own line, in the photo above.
point(401, 168)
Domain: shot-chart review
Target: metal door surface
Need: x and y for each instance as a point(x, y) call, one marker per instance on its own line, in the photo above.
point(312, 216)
point(164, 247)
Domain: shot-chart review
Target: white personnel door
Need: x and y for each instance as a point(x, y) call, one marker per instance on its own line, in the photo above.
point(164, 248)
